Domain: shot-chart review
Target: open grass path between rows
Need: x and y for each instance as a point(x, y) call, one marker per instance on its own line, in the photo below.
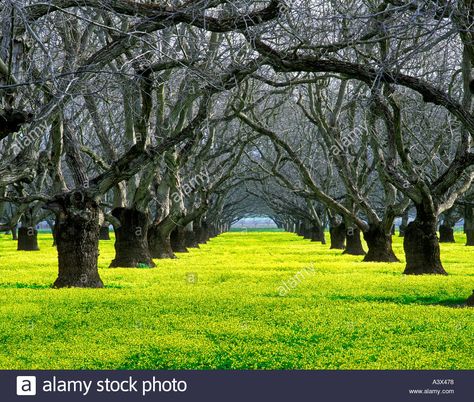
point(243, 301)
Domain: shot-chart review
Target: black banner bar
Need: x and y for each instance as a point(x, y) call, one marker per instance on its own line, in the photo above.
point(242, 386)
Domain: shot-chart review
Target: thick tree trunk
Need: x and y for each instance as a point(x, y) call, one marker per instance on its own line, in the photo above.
point(159, 243)
point(300, 228)
point(338, 236)
point(307, 232)
point(292, 227)
point(469, 225)
point(469, 237)
point(446, 234)
point(77, 238)
point(191, 239)
point(200, 234)
point(27, 239)
point(379, 245)
point(317, 234)
point(131, 239)
point(178, 240)
point(204, 236)
point(212, 231)
point(55, 234)
point(403, 225)
point(353, 242)
point(421, 245)
point(104, 233)
point(401, 230)
point(51, 225)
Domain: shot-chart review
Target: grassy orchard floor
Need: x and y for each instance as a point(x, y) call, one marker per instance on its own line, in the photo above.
point(347, 315)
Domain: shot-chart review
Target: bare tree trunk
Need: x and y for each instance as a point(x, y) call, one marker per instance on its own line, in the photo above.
point(199, 233)
point(353, 242)
point(379, 245)
point(190, 236)
point(27, 239)
point(131, 239)
point(77, 237)
point(14, 233)
point(469, 224)
point(178, 240)
point(203, 233)
point(446, 234)
point(159, 242)
point(446, 229)
point(338, 236)
point(212, 230)
point(300, 228)
point(421, 245)
point(104, 233)
point(317, 234)
point(307, 230)
point(470, 238)
point(54, 232)
point(404, 224)
point(191, 239)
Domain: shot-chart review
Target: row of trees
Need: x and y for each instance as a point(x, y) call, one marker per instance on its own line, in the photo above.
point(172, 120)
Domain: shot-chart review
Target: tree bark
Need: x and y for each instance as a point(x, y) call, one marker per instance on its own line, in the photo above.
point(104, 233)
point(12, 121)
point(159, 243)
point(307, 230)
point(300, 228)
point(379, 245)
point(131, 239)
point(421, 245)
point(178, 240)
point(317, 234)
point(212, 231)
point(469, 225)
point(353, 242)
point(338, 236)
point(191, 239)
point(198, 233)
point(27, 239)
point(54, 232)
point(469, 237)
point(202, 233)
point(404, 224)
point(77, 238)
point(446, 234)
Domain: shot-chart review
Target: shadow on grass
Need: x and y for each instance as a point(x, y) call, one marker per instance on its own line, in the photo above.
point(18, 285)
point(454, 302)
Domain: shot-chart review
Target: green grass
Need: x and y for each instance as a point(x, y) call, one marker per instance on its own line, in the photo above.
point(344, 314)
